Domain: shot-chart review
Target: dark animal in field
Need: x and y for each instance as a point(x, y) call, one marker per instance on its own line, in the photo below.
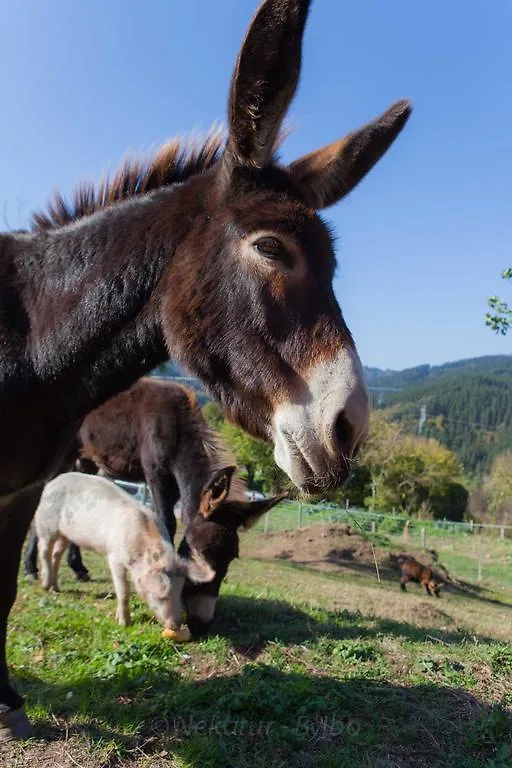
point(213, 532)
point(214, 256)
point(411, 570)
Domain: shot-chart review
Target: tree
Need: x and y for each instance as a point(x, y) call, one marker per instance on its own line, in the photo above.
point(411, 473)
point(498, 486)
point(500, 319)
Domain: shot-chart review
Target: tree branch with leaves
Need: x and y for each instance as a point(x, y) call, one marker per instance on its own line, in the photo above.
point(500, 317)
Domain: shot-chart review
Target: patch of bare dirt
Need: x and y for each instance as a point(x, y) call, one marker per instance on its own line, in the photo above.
point(58, 749)
point(329, 547)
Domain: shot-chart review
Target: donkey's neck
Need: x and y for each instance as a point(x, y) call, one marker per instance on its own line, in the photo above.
point(91, 295)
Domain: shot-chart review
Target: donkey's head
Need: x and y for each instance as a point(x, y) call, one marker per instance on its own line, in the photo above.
point(255, 315)
point(213, 534)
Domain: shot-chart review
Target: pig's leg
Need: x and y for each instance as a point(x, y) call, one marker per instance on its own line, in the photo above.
point(177, 584)
point(58, 550)
point(122, 590)
point(45, 547)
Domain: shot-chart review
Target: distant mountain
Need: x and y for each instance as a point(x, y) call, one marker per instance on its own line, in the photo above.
point(467, 405)
point(376, 377)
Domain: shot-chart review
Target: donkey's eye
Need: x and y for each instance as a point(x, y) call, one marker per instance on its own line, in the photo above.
point(271, 247)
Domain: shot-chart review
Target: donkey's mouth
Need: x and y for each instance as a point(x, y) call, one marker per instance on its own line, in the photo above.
point(310, 472)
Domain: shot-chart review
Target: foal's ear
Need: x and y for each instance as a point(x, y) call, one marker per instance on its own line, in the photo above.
point(255, 509)
point(215, 491)
point(332, 172)
point(264, 80)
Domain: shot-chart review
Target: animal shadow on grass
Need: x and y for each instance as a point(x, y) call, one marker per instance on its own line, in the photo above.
point(250, 624)
point(298, 719)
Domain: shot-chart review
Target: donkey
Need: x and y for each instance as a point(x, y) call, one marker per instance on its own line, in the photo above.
point(213, 532)
point(215, 257)
point(153, 432)
point(98, 515)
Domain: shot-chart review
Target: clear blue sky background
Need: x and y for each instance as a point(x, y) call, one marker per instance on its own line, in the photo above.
point(422, 240)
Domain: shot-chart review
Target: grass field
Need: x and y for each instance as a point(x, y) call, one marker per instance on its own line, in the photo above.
point(303, 668)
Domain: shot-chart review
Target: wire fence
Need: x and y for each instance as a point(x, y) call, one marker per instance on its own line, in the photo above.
point(475, 552)
point(469, 551)
point(295, 514)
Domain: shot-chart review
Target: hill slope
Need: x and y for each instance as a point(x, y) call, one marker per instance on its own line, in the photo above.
point(467, 405)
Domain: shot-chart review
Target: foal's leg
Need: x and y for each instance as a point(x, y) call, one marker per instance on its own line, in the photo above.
point(76, 564)
point(15, 517)
point(164, 494)
point(122, 590)
point(30, 559)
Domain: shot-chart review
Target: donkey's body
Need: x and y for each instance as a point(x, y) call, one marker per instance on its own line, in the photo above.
point(155, 432)
point(229, 271)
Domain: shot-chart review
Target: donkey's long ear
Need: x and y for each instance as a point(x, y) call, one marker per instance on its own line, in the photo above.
point(264, 80)
point(255, 509)
point(215, 491)
point(332, 172)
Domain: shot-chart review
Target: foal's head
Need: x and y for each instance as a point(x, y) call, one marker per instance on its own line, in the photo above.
point(255, 316)
point(213, 533)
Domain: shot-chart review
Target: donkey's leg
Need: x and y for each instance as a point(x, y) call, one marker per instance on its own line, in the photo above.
point(30, 559)
point(122, 590)
point(15, 517)
point(164, 494)
point(76, 564)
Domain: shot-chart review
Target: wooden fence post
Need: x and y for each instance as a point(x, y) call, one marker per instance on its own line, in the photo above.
point(423, 538)
point(480, 558)
point(299, 518)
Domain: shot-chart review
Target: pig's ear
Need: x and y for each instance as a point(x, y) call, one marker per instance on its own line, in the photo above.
point(157, 582)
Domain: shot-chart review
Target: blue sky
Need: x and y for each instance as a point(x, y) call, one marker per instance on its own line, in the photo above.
point(421, 241)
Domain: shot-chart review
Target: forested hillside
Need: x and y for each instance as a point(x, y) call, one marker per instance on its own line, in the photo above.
point(466, 405)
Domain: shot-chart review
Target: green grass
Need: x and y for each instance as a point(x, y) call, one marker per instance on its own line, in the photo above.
point(303, 669)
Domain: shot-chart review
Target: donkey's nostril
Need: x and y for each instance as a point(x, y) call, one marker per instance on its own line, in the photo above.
point(344, 435)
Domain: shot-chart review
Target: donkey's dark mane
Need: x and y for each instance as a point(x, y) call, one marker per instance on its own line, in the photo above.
point(174, 162)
